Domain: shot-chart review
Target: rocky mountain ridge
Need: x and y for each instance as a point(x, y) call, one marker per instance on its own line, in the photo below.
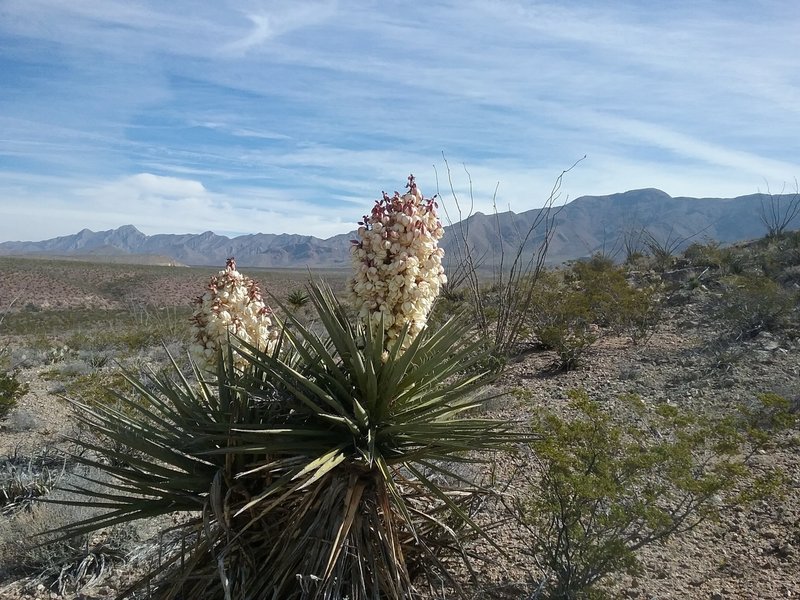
point(582, 227)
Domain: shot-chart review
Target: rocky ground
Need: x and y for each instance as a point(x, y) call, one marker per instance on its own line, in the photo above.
point(751, 553)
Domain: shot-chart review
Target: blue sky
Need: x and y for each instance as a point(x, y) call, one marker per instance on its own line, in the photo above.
point(245, 117)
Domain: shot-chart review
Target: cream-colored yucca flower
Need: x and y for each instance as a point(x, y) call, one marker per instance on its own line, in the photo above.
point(231, 306)
point(398, 262)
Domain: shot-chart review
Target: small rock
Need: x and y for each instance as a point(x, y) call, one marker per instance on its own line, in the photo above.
point(769, 534)
point(785, 550)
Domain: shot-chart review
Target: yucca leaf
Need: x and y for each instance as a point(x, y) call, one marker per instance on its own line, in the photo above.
point(351, 506)
point(436, 492)
point(321, 465)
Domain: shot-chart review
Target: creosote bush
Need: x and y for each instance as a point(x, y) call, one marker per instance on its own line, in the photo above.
point(561, 319)
point(608, 484)
point(613, 301)
point(767, 416)
point(572, 308)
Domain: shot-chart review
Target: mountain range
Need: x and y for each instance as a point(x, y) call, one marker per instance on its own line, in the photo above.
point(582, 227)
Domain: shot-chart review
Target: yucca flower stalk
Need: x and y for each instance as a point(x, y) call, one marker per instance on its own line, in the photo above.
point(232, 308)
point(398, 263)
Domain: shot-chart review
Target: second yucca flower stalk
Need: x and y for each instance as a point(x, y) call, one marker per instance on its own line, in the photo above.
point(398, 263)
point(231, 309)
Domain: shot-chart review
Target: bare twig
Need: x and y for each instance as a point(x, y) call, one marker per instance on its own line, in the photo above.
point(514, 274)
point(778, 211)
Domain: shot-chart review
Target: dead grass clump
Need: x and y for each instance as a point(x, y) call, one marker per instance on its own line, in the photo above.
point(30, 550)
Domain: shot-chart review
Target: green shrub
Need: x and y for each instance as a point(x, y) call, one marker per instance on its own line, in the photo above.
point(561, 319)
point(708, 255)
point(96, 387)
point(771, 257)
point(569, 308)
point(607, 486)
point(774, 256)
point(753, 303)
point(769, 414)
point(613, 301)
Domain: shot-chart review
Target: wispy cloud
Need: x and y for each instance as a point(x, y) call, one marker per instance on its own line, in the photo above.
point(256, 116)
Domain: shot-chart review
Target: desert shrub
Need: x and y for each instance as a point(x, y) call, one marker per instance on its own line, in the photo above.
point(736, 261)
point(752, 303)
point(769, 256)
point(708, 255)
point(22, 420)
point(570, 307)
point(613, 301)
point(11, 390)
point(96, 387)
point(774, 256)
point(607, 486)
point(561, 318)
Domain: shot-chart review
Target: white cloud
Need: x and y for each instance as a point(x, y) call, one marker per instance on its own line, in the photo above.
point(157, 204)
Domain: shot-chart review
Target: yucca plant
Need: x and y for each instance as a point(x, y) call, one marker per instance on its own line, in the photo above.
point(330, 467)
point(297, 299)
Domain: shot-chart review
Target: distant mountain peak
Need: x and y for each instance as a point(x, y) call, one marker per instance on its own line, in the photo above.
point(128, 229)
point(648, 191)
point(583, 226)
point(646, 194)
